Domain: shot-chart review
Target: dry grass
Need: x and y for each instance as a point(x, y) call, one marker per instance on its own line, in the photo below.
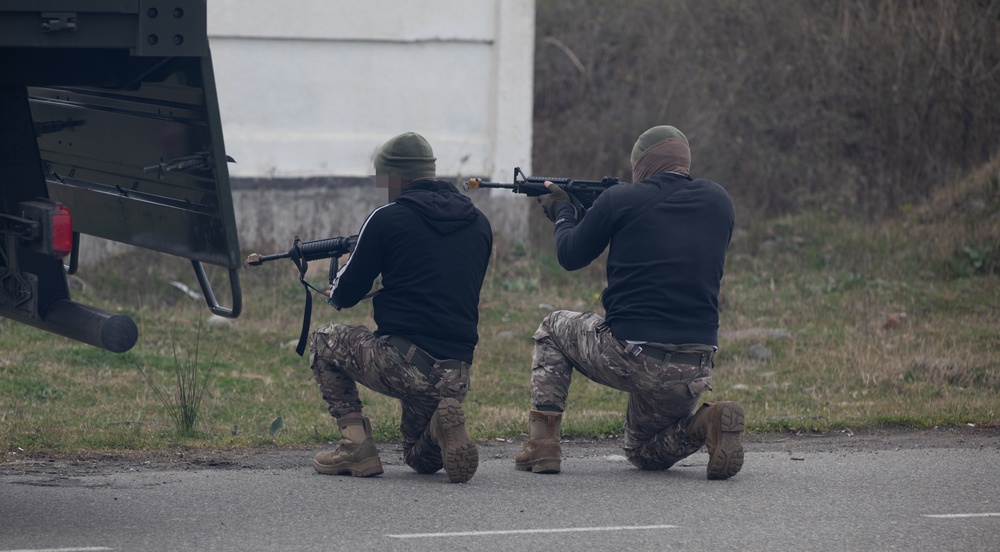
point(864, 325)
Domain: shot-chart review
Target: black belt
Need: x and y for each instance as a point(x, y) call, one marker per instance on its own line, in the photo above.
point(690, 359)
point(419, 357)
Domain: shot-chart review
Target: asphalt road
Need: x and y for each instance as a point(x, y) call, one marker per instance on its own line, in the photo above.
point(903, 491)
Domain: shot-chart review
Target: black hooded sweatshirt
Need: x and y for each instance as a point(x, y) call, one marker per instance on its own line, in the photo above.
point(432, 247)
point(665, 265)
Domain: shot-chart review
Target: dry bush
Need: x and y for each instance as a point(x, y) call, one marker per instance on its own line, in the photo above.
point(853, 106)
point(959, 228)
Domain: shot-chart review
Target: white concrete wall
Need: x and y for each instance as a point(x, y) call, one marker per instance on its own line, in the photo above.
point(312, 87)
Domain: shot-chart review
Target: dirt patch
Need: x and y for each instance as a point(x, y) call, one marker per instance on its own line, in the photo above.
point(109, 462)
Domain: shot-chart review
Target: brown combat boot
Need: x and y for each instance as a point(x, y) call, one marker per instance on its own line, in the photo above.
point(542, 453)
point(458, 451)
point(720, 427)
point(355, 453)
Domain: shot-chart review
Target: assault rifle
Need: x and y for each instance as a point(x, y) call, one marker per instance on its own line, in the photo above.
point(308, 251)
point(300, 254)
point(584, 192)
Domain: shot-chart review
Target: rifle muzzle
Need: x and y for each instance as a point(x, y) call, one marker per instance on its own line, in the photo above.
point(253, 259)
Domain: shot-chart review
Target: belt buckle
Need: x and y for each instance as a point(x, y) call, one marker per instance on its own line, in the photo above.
point(633, 349)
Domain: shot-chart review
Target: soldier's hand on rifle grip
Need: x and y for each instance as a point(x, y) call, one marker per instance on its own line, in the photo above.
point(552, 201)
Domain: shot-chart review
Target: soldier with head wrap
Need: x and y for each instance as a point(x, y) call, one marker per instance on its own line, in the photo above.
point(431, 246)
point(668, 235)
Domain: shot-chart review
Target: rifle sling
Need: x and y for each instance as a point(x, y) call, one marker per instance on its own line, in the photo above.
point(665, 192)
point(303, 265)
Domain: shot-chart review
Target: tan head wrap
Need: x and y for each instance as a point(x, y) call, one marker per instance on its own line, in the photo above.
point(660, 149)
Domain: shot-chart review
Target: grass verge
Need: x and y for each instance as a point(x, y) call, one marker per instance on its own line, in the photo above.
point(825, 324)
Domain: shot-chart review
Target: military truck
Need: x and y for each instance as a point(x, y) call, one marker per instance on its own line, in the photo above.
point(109, 127)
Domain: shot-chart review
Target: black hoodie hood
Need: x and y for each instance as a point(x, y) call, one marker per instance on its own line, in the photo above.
point(440, 204)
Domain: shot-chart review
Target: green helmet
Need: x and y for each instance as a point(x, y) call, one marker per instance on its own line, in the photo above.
point(408, 156)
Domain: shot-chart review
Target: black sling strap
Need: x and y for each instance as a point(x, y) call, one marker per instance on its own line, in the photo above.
point(299, 259)
point(665, 192)
point(303, 266)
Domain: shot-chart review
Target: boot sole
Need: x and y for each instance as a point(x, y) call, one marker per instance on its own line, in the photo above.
point(365, 468)
point(727, 458)
point(459, 451)
point(540, 465)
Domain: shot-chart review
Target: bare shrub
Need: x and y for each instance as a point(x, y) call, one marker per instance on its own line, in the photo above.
point(852, 106)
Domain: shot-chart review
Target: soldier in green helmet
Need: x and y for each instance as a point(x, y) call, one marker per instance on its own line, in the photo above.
point(431, 246)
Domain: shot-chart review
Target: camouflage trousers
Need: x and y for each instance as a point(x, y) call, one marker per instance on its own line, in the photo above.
point(662, 396)
point(341, 356)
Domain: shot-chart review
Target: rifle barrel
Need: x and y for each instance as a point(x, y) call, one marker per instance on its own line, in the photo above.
point(475, 183)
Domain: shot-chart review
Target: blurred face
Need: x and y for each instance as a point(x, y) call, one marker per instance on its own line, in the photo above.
point(392, 184)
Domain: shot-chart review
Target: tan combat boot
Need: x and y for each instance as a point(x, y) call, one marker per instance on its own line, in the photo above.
point(720, 427)
point(458, 451)
point(542, 453)
point(355, 453)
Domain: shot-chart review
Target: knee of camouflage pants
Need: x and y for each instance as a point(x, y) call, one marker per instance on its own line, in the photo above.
point(326, 344)
point(666, 448)
point(654, 423)
point(424, 456)
point(329, 356)
point(551, 364)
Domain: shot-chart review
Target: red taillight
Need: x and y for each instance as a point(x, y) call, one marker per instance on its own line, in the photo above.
point(62, 231)
point(48, 227)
